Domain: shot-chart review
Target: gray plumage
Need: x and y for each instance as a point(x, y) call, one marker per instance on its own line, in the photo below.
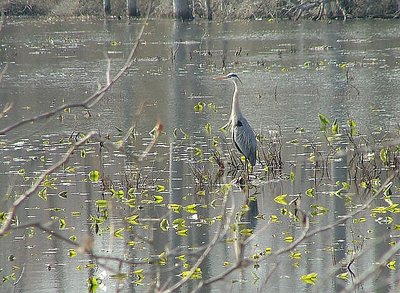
point(242, 134)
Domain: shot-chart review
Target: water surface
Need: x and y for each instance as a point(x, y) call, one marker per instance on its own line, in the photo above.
point(291, 72)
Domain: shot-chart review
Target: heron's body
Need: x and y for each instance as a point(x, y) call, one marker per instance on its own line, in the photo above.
point(242, 134)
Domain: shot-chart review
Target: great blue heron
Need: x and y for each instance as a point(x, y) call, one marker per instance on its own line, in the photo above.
point(242, 134)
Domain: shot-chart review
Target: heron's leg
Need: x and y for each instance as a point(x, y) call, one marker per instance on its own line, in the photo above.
point(246, 165)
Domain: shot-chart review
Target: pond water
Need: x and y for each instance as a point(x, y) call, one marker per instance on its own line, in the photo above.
point(158, 205)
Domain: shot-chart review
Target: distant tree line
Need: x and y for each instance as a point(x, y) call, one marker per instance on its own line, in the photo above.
point(209, 9)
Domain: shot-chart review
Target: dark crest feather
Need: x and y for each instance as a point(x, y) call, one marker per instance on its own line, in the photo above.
point(232, 75)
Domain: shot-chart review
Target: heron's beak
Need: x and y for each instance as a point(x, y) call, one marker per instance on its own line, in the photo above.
point(220, 78)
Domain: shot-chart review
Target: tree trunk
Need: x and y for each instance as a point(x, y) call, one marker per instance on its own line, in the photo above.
point(181, 9)
point(132, 8)
point(208, 9)
point(107, 7)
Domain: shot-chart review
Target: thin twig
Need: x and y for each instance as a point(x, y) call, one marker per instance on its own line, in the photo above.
point(222, 230)
point(305, 235)
point(17, 203)
point(94, 98)
point(373, 268)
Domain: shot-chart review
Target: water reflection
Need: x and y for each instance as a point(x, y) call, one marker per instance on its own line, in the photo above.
point(291, 72)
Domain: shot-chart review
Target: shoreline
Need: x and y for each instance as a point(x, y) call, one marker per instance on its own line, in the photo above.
point(221, 10)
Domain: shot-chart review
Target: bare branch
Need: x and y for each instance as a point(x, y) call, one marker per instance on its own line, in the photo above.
point(11, 212)
point(94, 98)
point(373, 268)
point(222, 230)
point(245, 262)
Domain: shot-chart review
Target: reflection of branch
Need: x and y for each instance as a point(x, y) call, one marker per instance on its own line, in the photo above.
point(2, 20)
point(246, 262)
point(356, 255)
point(94, 98)
point(85, 247)
point(3, 71)
point(17, 203)
point(222, 230)
point(373, 268)
point(356, 211)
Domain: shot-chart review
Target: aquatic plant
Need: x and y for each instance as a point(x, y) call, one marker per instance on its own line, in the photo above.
point(124, 223)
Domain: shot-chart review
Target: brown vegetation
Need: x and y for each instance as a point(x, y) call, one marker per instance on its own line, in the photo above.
point(221, 9)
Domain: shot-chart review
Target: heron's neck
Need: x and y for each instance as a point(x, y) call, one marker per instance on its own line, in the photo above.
point(235, 113)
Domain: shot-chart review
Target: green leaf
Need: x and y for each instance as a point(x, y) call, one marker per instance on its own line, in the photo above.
point(289, 239)
point(133, 220)
point(274, 219)
point(352, 125)
point(131, 202)
point(62, 224)
point(175, 207)
point(312, 158)
point(212, 106)
point(392, 265)
point(192, 208)
point(195, 276)
point(215, 141)
point(281, 199)
point(246, 232)
point(43, 193)
point(119, 233)
point(207, 127)
point(318, 210)
point(83, 153)
point(94, 175)
point(162, 258)
point(101, 203)
point(292, 176)
point(160, 188)
point(72, 252)
point(140, 277)
point(345, 186)
point(182, 232)
point(343, 276)
point(324, 122)
point(201, 192)
point(335, 127)
point(158, 199)
point(164, 225)
point(226, 188)
point(198, 152)
point(295, 254)
point(310, 278)
point(70, 170)
point(383, 154)
point(199, 107)
point(179, 223)
point(131, 192)
point(310, 192)
point(118, 193)
point(63, 194)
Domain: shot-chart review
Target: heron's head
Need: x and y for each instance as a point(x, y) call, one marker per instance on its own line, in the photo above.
point(230, 76)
